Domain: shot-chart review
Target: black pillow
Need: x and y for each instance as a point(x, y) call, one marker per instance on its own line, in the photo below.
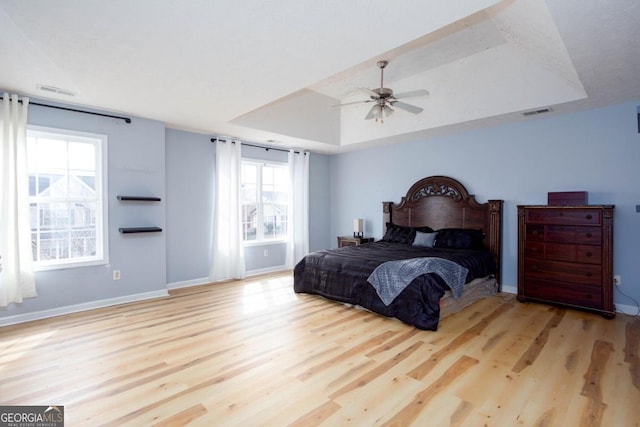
point(402, 234)
point(459, 238)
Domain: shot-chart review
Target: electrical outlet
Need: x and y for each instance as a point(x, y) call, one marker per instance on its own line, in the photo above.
point(116, 274)
point(617, 280)
point(266, 252)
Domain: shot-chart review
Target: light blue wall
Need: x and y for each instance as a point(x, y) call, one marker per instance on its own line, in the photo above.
point(136, 166)
point(597, 151)
point(146, 159)
point(190, 202)
point(190, 163)
point(320, 210)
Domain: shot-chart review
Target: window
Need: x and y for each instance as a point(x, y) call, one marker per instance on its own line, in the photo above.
point(67, 188)
point(264, 201)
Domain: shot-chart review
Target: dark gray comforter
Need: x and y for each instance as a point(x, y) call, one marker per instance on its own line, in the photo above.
point(341, 274)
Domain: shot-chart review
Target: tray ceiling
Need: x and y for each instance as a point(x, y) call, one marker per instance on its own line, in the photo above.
point(272, 70)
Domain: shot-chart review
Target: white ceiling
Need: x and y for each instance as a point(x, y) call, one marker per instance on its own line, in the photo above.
point(264, 70)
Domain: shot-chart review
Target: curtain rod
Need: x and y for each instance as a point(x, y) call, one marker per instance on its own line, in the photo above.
point(126, 119)
point(256, 146)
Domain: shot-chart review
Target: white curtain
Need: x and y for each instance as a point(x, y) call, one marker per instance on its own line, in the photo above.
point(227, 250)
point(16, 263)
point(298, 214)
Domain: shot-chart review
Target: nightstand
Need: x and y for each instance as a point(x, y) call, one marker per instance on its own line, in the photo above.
point(353, 241)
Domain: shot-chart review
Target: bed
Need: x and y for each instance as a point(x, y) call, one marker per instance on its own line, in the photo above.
point(440, 251)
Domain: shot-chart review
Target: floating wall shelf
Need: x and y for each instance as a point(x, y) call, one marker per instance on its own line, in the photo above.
point(139, 198)
point(131, 230)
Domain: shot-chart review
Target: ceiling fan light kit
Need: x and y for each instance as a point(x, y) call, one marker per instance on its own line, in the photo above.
point(379, 112)
point(384, 99)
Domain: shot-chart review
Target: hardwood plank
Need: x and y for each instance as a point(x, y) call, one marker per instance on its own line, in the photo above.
point(530, 356)
point(592, 389)
point(411, 412)
point(183, 417)
point(460, 340)
point(632, 351)
point(366, 378)
point(317, 415)
point(253, 352)
point(356, 350)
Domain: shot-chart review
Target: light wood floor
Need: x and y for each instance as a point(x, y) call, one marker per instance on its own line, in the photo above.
point(254, 353)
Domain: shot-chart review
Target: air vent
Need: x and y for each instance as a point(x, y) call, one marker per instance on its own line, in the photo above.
point(57, 90)
point(536, 112)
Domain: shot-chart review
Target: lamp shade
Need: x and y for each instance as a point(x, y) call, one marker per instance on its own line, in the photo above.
point(358, 225)
point(377, 112)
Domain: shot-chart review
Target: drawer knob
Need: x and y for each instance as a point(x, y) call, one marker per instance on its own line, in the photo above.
point(589, 234)
point(589, 216)
point(535, 232)
point(589, 274)
point(589, 254)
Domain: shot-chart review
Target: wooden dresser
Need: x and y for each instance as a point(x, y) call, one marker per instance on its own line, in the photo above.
point(565, 256)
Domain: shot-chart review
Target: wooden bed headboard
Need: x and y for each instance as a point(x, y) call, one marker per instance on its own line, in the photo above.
point(443, 202)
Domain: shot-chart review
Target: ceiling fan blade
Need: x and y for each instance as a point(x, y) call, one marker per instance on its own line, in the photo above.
point(353, 103)
point(371, 114)
point(407, 107)
point(419, 92)
point(369, 92)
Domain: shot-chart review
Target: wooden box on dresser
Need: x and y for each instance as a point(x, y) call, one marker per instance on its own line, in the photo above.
point(565, 256)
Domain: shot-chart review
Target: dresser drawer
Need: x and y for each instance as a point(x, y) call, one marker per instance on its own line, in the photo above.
point(585, 274)
point(565, 293)
point(534, 232)
point(564, 234)
point(564, 252)
point(534, 249)
point(564, 216)
point(561, 233)
point(589, 235)
point(561, 252)
point(589, 254)
point(571, 253)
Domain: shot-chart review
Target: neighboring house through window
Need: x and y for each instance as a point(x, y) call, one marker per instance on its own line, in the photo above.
point(67, 194)
point(264, 200)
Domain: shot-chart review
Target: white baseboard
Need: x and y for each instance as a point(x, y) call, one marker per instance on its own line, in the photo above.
point(206, 281)
point(44, 314)
point(620, 308)
point(627, 309)
point(267, 270)
point(189, 283)
point(509, 289)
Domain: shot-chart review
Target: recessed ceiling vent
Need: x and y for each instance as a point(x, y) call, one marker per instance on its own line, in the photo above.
point(57, 90)
point(536, 112)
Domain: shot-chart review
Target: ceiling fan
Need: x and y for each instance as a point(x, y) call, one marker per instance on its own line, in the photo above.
point(384, 99)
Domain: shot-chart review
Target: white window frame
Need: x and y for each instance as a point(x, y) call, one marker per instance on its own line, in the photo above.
point(101, 180)
point(260, 222)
